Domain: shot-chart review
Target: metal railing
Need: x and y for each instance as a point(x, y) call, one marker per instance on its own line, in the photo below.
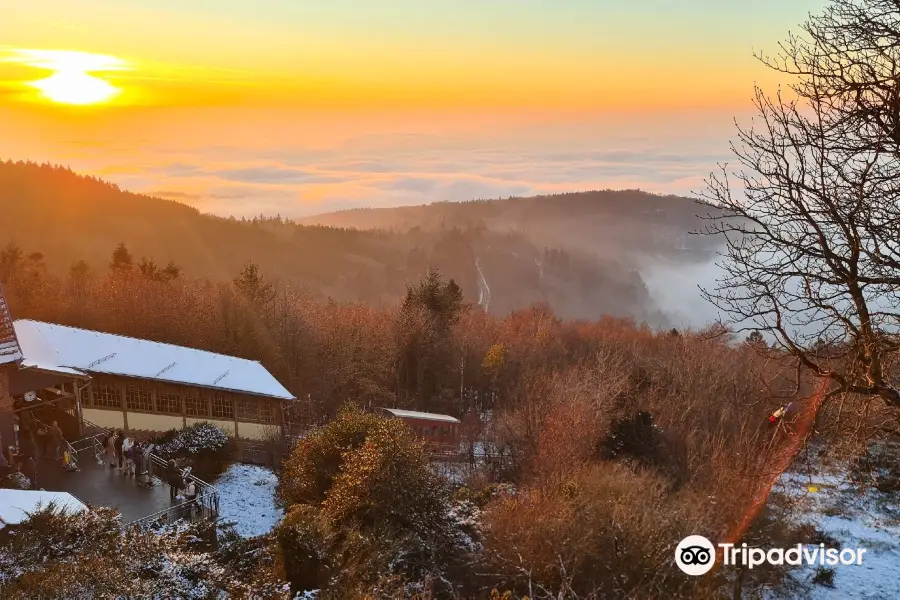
point(204, 506)
point(93, 441)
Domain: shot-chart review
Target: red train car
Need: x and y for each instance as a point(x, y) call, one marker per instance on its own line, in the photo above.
point(439, 431)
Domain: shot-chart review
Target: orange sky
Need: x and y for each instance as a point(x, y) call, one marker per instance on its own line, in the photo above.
point(279, 77)
point(532, 54)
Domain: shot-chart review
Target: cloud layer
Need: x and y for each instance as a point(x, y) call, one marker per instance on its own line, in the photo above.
point(278, 174)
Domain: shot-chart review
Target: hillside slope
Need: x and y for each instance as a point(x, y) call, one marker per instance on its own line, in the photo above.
point(68, 217)
point(627, 224)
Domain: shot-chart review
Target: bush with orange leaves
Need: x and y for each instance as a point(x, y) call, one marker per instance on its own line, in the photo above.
point(586, 524)
point(607, 532)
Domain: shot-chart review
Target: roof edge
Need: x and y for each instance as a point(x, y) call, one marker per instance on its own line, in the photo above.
point(92, 373)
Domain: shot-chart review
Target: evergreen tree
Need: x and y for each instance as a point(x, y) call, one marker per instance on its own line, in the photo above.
point(172, 271)
point(149, 269)
point(10, 259)
point(121, 261)
point(251, 284)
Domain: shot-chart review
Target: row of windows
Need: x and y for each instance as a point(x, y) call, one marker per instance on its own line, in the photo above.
point(219, 406)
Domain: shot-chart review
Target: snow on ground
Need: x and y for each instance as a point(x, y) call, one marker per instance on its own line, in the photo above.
point(247, 498)
point(857, 518)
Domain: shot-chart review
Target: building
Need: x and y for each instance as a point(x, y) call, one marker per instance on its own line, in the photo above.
point(132, 384)
point(439, 431)
point(16, 505)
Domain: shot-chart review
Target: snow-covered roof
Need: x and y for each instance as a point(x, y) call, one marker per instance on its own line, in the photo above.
point(9, 345)
point(16, 504)
point(413, 414)
point(58, 348)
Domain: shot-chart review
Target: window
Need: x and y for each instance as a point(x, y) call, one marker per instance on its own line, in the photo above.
point(137, 397)
point(222, 407)
point(266, 411)
point(248, 409)
point(168, 401)
point(106, 396)
point(195, 405)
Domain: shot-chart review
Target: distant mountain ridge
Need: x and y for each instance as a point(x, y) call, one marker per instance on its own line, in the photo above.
point(608, 222)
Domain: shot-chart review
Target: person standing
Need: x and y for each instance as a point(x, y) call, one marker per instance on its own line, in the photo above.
point(57, 439)
point(139, 462)
point(128, 454)
point(111, 449)
point(120, 440)
point(173, 476)
point(190, 497)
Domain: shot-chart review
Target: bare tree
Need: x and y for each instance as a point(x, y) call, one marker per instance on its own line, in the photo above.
point(813, 234)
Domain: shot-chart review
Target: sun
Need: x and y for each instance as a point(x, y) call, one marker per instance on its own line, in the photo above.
point(75, 88)
point(72, 81)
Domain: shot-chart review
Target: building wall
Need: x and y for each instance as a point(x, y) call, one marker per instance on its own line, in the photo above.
point(5, 400)
point(151, 422)
point(253, 431)
point(134, 404)
point(7, 437)
point(109, 419)
point(438, 432)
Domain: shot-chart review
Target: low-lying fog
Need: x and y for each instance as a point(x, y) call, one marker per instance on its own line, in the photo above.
point(675, 288)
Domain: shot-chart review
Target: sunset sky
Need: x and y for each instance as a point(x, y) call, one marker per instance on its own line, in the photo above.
point(299, 107)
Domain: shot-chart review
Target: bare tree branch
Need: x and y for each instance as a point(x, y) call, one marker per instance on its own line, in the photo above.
point(810, 212)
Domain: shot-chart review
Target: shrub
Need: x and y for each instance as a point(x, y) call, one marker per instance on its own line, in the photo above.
point(87, 555)
point(317, 459)
point(608, 532)
point(372, 515)
point(824, 576)
point(204, 447)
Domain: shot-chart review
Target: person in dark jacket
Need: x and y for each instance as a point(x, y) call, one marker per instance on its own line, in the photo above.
point(120, 439)
point(173, 477)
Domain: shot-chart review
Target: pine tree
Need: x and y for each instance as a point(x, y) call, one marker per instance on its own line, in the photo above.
point(121, 261)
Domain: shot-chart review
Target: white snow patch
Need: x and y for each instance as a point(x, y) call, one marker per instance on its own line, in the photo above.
point(856, 518)
point(247, 498)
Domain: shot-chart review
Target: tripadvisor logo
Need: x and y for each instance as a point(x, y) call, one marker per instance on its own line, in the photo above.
point(696, 555)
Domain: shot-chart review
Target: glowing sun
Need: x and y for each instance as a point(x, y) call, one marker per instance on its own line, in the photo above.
point(72, 81)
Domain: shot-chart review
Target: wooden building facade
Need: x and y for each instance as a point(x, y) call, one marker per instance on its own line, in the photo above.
point(441, 432)
point(140, 385)
point(131, 403)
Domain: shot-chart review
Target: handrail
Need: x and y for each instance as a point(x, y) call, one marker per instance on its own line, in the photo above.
point(207, 499)
point(206, 504)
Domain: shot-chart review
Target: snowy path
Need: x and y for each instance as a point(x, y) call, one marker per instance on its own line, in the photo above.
point(484, 290)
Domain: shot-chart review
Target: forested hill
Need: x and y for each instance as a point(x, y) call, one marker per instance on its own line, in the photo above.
point(66, 217)
point(608, 223)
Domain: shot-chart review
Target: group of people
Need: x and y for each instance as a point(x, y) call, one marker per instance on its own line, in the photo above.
point(36, 441)
point(131, 456)
point(36, 438)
